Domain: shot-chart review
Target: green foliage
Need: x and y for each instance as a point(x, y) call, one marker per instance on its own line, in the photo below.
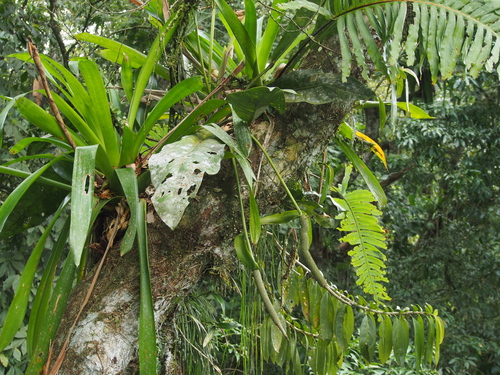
point(315, 323)
point(366, 235)
point(443, 216)
point(438, 33)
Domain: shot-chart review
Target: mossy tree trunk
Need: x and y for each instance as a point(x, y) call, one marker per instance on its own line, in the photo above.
point(106, 335)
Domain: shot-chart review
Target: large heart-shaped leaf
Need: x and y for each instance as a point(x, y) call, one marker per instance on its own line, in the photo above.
point(177, 171)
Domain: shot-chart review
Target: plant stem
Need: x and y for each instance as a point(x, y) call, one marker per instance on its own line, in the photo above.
point(278, 174)
point(33, 51)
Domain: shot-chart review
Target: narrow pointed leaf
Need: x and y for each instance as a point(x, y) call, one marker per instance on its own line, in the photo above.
point(136, 57)
point(100, 109)
point(41, 302)
point(147, 329)
point(82, 199)
point(128, 180)
point(241, 34)
point(127, 77)
point(327, 316)
point(255, 226)
point(370, 180)
point(418, 328)
point(367, 337)
point(55, 311)
point(17, 309)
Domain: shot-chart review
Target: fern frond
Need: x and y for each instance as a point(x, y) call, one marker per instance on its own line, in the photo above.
point(439, 33)
point(366, 235)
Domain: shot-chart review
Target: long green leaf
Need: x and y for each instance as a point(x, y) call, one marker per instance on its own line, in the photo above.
point(147, 331)
point(25, 142)
point(327, 317)
point(44, 291)
point(370, 179)
point(43, 180)
point(385, 341)
point(367, 337)
point(100, 110)
point(127, 77)
point(439, 338)
point(82, 199)
point(136, 57)
point(418, 328)
point(39, 117)
point(128, 180)
point(14, 197)
point(254, 219)
point(244, 40)
point(251, 20)
point(55, 311)
point(161, 40)
point(400, 339)
point(265, 44)
point(17, 309)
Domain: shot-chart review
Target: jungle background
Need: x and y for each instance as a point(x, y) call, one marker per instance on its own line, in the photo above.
point(442, 216)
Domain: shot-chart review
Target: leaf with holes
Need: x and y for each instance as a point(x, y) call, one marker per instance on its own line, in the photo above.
point(177, 171)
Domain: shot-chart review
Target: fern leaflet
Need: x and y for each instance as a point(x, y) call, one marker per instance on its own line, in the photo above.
point(440, 33)
point(366, 235)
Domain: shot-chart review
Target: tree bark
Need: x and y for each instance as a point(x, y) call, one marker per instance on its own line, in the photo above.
point(105, 338)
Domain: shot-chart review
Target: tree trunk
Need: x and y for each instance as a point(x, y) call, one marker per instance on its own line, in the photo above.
point(105, 338)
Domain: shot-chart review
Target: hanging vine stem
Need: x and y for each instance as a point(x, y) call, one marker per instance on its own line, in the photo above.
point(256, 272)
point(308, 259)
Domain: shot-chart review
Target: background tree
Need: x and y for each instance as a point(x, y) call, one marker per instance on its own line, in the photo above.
point(203, 237)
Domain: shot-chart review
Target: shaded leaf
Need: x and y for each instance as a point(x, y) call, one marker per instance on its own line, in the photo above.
point(400, 339)
point(385, 341)
point(316, 87)
point(250, 104)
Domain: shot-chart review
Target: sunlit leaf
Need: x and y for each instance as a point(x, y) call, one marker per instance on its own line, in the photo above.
point(177, 171)
point(82, 199)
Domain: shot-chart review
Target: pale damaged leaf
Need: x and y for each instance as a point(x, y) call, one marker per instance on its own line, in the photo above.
point(177, 171)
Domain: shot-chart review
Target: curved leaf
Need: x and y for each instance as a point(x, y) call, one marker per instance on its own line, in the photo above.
point(316, 87)
point(367, 337)
point(370, 180)
point(17, 309)
point(136, 57)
